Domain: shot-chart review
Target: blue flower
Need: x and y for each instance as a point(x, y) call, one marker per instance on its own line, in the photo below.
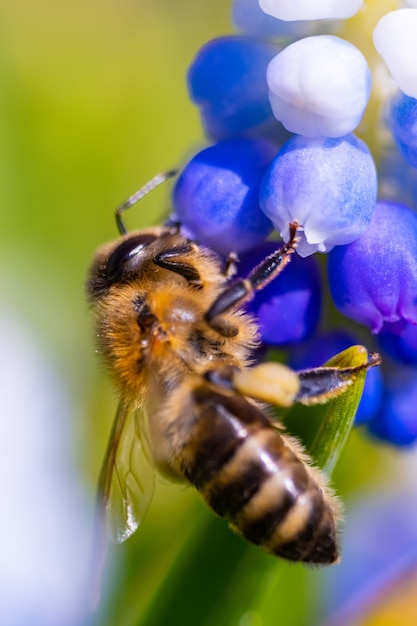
point(319, 86)
point(216, 195)
point(399, 342)
point(249, 18)
point(403, 124)
point(306, 10)
point(323, 178)
point(227, 81)
point(327, 185)
point(396, 423)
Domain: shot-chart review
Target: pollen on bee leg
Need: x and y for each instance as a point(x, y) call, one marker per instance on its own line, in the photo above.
point(270, 382)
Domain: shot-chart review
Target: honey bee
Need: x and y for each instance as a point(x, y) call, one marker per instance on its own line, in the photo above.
point(172, 329)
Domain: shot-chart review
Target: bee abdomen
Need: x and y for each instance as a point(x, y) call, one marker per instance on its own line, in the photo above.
point(248, 473)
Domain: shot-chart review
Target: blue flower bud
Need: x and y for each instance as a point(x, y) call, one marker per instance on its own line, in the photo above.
point(216, 195)
point(227, 80)
point(288, 308)
point(319, 86)
point(403, 124)
point(397, 179)
point(374, 279)
point(395, 39)
point(399, 341)
point(250, 19)
point(327, 185)
point(397, 421)
point(307, 10)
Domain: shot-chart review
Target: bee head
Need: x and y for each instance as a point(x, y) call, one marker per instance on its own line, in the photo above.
point(118, 262)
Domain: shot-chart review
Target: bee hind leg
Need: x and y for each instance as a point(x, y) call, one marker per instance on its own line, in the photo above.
point(281, 386)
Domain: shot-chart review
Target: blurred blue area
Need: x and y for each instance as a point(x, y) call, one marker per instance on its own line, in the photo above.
point(379, 550)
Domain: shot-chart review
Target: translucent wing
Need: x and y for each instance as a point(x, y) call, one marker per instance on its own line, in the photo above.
point(125, 488)
point(127, 477)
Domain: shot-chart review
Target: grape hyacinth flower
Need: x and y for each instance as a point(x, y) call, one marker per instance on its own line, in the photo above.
point(327, 185)
point(227, 81)
point(216, 195)
point(374, 279)
point(403, 124)
point(319, 86)
point(396, 422)
point(249, 18)
point(395, 40)
point(323, 177)
point(397, 179)
point(399, 341)
point(306, 10)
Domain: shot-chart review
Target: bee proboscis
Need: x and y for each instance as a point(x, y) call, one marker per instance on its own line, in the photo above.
point(173, 332)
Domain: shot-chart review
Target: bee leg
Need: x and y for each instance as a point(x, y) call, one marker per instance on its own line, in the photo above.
point(321, 384)
point(230, 266)
point(270, 382)
point(279, 385)
point(244, 289)
point(172, 259)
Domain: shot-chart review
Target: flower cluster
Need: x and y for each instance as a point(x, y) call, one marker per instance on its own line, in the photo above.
point(280, 103)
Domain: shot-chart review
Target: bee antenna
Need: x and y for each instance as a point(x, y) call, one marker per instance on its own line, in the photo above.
point(139, 194)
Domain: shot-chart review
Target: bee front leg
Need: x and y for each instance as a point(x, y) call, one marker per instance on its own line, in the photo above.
point(244, 289)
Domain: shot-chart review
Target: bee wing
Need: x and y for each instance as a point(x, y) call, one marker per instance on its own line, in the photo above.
point(125, 488)
point(127, 477)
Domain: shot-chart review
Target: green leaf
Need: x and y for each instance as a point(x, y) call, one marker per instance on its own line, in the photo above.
point(338, 420)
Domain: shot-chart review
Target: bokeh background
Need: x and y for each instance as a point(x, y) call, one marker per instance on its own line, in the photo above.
point(93, 103)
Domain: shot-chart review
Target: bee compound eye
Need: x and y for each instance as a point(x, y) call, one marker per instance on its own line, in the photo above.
point(126, 251)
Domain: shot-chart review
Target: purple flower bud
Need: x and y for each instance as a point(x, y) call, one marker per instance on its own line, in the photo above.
point(216, 195)
point(327, 185)
point(227, 80)
point(288, 308)
point(374, 279)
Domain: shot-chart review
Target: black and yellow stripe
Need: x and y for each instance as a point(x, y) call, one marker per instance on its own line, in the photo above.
point(250, 474)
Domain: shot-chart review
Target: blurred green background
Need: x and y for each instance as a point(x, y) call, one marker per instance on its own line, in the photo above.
point(93, 103)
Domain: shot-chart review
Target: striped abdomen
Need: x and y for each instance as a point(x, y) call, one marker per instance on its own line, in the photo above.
point(251, 475)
